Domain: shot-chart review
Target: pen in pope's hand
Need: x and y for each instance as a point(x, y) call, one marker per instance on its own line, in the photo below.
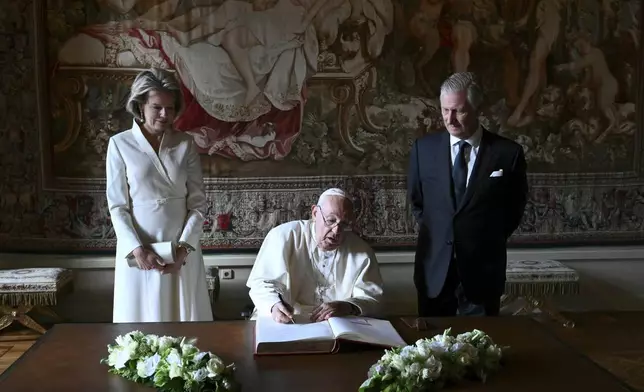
point(287, 306)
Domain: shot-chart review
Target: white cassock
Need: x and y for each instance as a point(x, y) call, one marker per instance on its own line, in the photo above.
point(289, 263)
point(156, 199)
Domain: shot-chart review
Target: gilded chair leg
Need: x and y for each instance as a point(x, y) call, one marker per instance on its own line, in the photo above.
point(521, 311)
point(7, 316)
point(30, 323)
point(556, 315)
point(5, 321)
point(545, 306)
point(19, 314)
point(507, 299)
point(526, 309)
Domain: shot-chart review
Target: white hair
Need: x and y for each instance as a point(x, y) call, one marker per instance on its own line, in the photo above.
point(154, 79)
point(464, 81)
point(332, 192)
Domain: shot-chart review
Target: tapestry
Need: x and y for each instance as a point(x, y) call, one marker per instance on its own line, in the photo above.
point(285, 98)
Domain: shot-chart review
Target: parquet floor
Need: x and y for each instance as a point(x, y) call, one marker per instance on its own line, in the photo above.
point(14, 341)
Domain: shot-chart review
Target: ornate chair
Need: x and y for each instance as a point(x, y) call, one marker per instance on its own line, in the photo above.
point(537, 282)
point(31, 289)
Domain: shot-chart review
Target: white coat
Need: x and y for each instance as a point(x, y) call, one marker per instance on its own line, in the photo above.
point(285, 265)
point(156, 198)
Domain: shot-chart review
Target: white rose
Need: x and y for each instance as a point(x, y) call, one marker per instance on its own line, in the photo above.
point(493, 353)
point(463, 336)
point(130, 349)
point(173, 357)
point(433, 368)
point(199, 356)
point(214, 366)
point(438, 346)
point(148, 366)
point(408, 352)
point(165, 342)
point(118, 358)
point(414, 369)
point(199, 375)
point(465, 359)
point(398, 363)
point(152, 341)
point(187, 349)
point(175, 371)
point(174, 360)
point(424, 350)
point(124, 340)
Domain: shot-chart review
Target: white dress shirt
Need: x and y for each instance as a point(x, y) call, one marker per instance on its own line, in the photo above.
point(470, 159)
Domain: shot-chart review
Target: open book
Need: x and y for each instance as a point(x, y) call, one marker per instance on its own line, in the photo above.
point(272, 338)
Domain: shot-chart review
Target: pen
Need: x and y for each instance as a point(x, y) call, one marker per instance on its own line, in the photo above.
point(287, 306)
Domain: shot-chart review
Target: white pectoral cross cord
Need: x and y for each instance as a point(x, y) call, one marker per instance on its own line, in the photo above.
point(324, 266)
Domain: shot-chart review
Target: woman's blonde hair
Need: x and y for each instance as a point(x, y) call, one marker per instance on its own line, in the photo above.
point(153, 79)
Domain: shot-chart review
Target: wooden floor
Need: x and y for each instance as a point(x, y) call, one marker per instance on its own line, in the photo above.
point(14, 341)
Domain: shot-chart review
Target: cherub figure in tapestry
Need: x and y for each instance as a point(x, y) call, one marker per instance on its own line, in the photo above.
point(592, 61)
point(455, 25)
point(548, 22)
point(243, 65)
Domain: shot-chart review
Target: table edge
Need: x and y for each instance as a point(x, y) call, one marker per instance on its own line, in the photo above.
point(569, 347)
point(29, 352)
point(532, 320)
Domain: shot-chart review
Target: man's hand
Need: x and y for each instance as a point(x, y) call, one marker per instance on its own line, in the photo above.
point(282, 313)
point(147, 259)
point(179, 260)
point(332, 309)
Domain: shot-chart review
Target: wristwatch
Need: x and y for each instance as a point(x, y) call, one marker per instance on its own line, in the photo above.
point(187, 247)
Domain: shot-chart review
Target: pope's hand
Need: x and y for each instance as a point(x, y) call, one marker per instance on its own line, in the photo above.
point(331, 309)
point(147, 259)
point(281, 313)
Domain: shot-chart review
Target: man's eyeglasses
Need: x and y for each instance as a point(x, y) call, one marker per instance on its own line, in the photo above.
point(332, 222)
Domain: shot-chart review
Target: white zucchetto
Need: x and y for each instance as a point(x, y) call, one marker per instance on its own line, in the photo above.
point(332, 192)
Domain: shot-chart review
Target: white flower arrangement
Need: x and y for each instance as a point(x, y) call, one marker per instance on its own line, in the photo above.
point(430, 364)
point(168, 364)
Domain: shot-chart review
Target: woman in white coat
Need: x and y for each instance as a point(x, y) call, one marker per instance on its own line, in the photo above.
point(155, 195)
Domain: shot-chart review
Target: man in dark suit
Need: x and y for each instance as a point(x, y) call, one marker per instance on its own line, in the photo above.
point(468, 190)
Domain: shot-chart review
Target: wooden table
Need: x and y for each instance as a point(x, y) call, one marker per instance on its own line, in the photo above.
point(67, 358)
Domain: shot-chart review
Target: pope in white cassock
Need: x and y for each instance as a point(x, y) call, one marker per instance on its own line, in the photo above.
point(155, 195)
point(316, 266)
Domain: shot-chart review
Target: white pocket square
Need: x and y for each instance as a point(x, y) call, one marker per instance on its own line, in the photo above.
point(497, 173)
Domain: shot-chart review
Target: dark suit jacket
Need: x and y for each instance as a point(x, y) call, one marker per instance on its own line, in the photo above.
point(475, 231)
